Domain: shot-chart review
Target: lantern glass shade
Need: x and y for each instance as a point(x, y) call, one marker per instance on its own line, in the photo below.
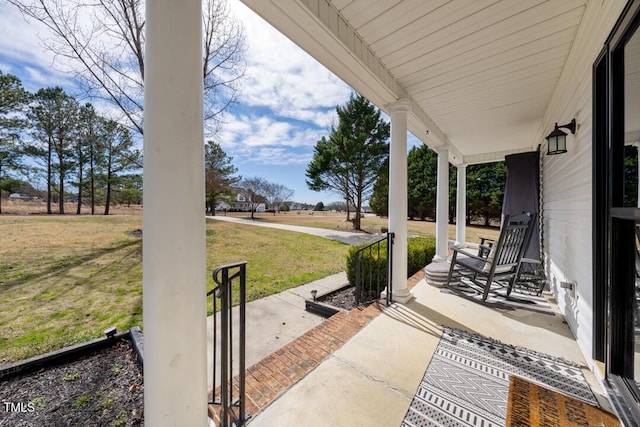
point(557, 142)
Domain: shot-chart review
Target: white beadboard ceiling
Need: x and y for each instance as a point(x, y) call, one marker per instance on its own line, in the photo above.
point(479, 74)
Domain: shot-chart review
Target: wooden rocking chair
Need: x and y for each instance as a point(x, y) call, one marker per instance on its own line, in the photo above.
point(504, 260)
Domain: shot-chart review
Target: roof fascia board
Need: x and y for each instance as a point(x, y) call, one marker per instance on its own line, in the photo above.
point(492, 157)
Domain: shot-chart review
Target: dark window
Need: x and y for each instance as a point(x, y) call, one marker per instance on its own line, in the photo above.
point(616, 212)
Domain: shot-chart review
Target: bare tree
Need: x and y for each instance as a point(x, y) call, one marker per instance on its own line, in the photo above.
point(276, 195)
point(254, 191)
point(102, 44)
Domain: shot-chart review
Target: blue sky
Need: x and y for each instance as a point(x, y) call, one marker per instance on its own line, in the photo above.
point(286, 104)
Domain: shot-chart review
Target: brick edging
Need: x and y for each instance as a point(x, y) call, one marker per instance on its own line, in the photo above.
point(276, 373)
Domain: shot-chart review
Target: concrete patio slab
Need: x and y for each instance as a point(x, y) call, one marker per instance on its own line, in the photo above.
point(372, 378)
point(336, 394)
point(393, 350)
point(369, 381)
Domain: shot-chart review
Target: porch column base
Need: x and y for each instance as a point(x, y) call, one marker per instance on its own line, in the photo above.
point(438, 258)
point(402, 296)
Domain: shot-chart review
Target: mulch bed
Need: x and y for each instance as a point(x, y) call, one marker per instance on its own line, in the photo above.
point(344, 298)
point(104, 388)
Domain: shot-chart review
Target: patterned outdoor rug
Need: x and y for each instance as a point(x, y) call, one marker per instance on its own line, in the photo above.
point(498, 298)
point(467, 381)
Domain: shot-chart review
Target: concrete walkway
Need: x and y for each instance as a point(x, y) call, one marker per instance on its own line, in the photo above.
point(346, 237)
point(274, 321)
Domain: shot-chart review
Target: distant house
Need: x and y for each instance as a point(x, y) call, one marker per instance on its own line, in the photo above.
point(239, 204)
point(18, 196)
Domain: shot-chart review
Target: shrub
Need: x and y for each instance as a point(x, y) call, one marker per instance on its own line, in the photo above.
point(420, 251)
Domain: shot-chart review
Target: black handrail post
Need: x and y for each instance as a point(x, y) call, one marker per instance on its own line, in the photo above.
point(223, 291)
point(370, 269)
point(378, 272)
point(358, 278)
point(215, 337)
point(225, 275)
point(390, 241)
point(243, 324)
point(224, 360)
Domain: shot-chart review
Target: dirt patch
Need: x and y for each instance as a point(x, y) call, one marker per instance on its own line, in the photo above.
point(104, 388)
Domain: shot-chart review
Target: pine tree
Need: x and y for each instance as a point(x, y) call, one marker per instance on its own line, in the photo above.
point(53, 123)
point(13, 98)
point(119, 156)
point(349, 161)
point(218, 173)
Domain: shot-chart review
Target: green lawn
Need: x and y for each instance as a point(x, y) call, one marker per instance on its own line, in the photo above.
point(369, 224)
point(64, 280)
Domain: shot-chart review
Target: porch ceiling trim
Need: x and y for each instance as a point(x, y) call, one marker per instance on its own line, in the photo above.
point(481, 77)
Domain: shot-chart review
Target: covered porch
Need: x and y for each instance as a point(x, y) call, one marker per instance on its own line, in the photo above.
point(375, 376)
point(475, 81)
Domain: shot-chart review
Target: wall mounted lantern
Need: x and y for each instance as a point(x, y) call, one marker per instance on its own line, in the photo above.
point(557, 140)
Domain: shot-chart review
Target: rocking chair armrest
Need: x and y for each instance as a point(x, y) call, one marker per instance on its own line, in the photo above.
point(468, 254)
point(484, 251)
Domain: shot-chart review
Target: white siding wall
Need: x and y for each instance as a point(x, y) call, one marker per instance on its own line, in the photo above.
point(566, 178)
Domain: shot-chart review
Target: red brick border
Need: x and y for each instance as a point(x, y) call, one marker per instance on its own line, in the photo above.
point(276, 373)
point(273, 375)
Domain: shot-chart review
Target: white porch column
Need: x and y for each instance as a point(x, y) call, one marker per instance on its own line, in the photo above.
point(173, 258)
point(461, 205)
point(442, 205)
point(398, 198)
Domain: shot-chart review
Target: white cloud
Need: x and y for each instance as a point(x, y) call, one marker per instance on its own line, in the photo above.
point(284, 78)
point(19, 39)
point(23, 53)
point(259, 131)
point(280, 156)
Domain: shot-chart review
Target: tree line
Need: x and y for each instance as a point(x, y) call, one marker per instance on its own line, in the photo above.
point(102, 46)
point(353, 161)
point(50, 136)
point(484, 187)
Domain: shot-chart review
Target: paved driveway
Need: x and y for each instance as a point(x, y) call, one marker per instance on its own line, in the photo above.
point(347, 237)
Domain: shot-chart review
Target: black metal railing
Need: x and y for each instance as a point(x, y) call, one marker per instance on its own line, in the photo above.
point(373, 270)
point(226, 277)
